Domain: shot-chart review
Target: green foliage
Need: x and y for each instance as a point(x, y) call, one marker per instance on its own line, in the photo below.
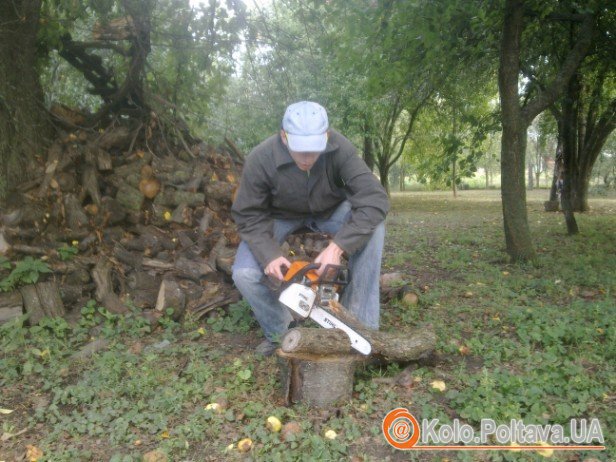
point(238, 318)
point(67, 252)
point(26, 271)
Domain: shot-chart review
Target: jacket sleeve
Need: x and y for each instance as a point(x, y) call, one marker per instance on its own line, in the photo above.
point(251, 212)
point(369, 201)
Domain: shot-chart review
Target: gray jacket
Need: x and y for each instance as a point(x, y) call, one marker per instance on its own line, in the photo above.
point(272, 187)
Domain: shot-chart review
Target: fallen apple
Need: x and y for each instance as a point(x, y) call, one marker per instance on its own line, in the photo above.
point(273, 424)
point(244, 445)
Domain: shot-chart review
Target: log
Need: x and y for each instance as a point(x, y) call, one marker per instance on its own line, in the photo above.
point(302, 340)
point(4, 245)
point(316, 380)
point(130, 198)
point(392, 346)
point(53, 159)
point(75, 216)
point(104, 287)
point(90, 184)
point(171, 295)
point(42, 299)
point(11, 305)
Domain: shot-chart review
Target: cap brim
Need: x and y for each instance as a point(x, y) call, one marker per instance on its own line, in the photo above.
point(307, 143)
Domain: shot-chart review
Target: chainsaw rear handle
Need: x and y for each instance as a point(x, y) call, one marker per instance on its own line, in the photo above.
point(298, 276)
point(340, 274)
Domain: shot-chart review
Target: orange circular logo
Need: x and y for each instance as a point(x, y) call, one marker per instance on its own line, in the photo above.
point(401, 429)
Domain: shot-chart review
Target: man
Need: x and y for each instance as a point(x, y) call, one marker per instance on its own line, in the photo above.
point(308, 176)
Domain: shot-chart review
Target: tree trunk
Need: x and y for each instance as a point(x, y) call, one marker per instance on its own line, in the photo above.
point(453, 179)
point(24, 125)
point(384, 174)
point(368, 146)
point(513, 144)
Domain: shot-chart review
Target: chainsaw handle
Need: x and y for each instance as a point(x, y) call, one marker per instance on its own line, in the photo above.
point(297, 277)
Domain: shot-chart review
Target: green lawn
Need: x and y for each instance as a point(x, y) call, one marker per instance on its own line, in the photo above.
point(532, 342)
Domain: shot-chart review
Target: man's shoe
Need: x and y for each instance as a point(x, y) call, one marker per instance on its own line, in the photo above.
point(265, 348)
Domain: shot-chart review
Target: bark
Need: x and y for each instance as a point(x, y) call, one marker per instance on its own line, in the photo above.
point(24, 125)
point(513, 144)
point(42, 299)
point(368, 154)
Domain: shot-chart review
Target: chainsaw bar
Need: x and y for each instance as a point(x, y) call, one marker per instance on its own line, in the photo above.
point(301, 299)
point(325, 319)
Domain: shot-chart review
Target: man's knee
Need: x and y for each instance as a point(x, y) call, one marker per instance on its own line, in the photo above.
point(246, 277)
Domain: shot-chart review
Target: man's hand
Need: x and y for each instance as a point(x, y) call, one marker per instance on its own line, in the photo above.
point(329, 256)
point(274, 268)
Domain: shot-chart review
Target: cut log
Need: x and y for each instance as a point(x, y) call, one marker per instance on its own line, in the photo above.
point(130, 198)
point(53, 159)
point(171, 295)
point(392, 346)
point(11, 305)
point(193, 269)
point(75, 216)
point(90, 184)
point(315, 341)
point(42, 299)
point(316, 380)
point(4, 245)
point(104, 287)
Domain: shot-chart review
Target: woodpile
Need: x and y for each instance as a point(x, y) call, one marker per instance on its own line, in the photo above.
point(127, 215)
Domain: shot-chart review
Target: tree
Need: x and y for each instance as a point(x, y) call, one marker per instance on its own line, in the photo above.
point(517, 115)
point(586, 114)
point(24, 125)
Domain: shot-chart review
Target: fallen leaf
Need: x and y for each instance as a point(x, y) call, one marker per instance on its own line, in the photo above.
point(5, 411)
point(515, 445)
point(33, 453)
point(545, 452)
point(155, 456)
point(290, 429)
point(464, 350)
point(438, 385)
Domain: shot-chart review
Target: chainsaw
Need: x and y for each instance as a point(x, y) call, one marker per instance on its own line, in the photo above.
point(307, 294)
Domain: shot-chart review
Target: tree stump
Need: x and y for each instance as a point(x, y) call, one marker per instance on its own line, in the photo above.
point(317, 380)
point(42, 299)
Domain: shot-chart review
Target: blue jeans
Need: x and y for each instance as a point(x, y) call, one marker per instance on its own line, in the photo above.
point(361, 296)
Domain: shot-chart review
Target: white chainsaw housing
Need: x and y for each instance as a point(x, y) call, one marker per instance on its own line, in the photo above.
point(301, 300)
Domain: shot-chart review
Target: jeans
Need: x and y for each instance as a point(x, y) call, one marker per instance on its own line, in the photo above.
point(361, 296)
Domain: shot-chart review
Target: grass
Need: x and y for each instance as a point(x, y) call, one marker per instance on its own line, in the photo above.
point(531, 342)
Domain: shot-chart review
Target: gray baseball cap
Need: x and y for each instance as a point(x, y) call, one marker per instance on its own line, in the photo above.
point(306, 124)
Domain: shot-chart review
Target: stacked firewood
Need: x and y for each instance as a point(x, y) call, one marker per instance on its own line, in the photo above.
point(128, 216)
